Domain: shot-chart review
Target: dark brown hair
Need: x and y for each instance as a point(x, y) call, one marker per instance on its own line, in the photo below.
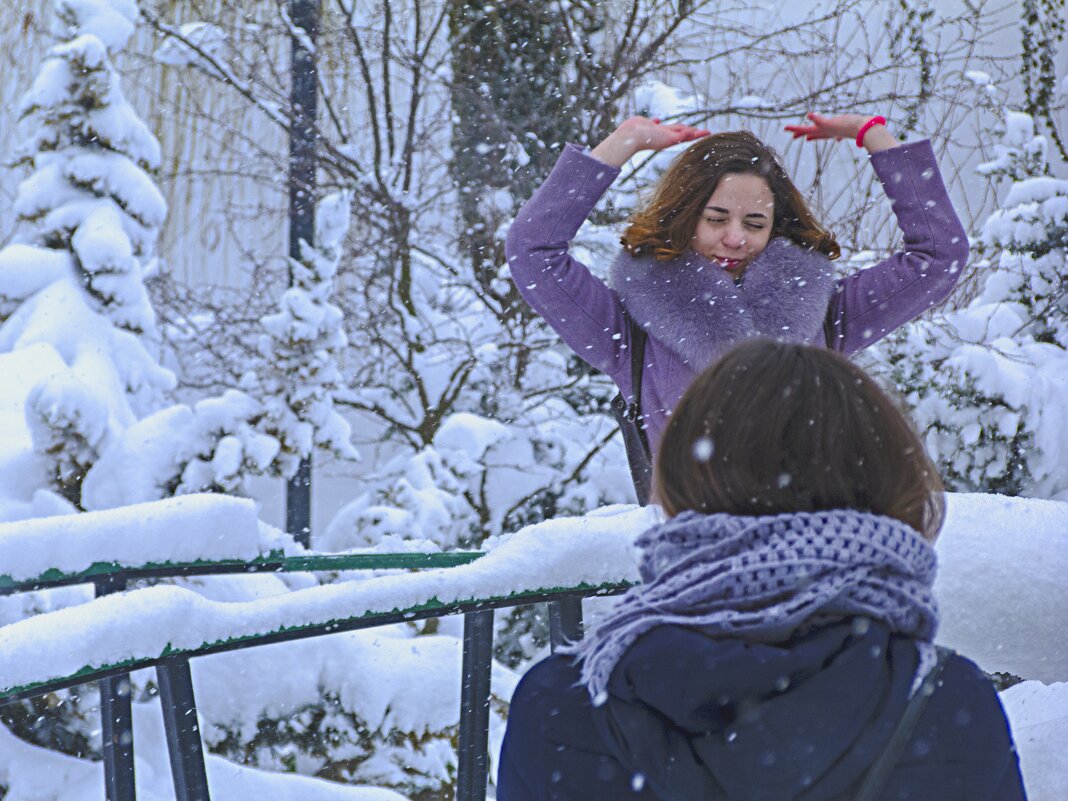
point(775, 427)
point(666, 225)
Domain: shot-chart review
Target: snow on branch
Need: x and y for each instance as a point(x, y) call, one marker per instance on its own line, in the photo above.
point(110, 21)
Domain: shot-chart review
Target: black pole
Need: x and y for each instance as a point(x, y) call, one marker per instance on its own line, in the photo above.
point(116, 719)
point(303, 101)
point(180, 724)
point(298, 503)
point(565, 621)
point(473, 751)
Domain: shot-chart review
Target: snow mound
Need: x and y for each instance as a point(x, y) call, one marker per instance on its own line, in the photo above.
point(29, 771)
point(1039, 717)
point(1002, 583)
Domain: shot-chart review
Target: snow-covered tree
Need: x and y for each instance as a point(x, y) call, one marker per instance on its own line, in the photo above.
point(987, 383)
point(89, 192)
point(302, 346)
point(283, 410)
point(515, 433)
point(76, 325)
point(71, 281)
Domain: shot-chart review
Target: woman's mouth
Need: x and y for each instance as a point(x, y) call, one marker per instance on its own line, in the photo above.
point(726, 263)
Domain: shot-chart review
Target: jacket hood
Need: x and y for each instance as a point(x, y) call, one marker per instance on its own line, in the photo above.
point(704, 718)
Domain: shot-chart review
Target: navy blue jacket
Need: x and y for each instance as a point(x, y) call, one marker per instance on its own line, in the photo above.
point(688, 717)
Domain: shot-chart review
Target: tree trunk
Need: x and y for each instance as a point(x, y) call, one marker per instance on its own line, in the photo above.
point(514, 98)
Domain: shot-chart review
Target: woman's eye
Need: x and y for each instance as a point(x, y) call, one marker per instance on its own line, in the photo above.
point(753, 227)
point(714, 219)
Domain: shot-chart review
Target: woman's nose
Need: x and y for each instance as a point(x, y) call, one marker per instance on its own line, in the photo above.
point(733, 237)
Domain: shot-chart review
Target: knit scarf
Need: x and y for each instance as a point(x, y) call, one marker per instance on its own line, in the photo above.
point(767, 578)
point(693, 307)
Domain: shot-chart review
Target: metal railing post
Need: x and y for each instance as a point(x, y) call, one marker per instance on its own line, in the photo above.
point(183, 731)
point(565, 621)
point(473, 757)
point(116, 719)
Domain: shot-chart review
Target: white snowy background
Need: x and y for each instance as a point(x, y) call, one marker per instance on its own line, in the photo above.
point(123, 401)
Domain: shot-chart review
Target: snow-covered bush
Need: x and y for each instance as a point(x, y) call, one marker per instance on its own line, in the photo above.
point(424, 503)
point(987, 382)
point(211, 446)
point(376, 707)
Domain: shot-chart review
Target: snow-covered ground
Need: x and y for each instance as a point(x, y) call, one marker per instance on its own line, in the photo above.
point(1003, 590)
point(1002, 584)
point(37, 773)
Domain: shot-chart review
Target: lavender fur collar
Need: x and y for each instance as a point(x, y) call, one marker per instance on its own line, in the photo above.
point(693, 307)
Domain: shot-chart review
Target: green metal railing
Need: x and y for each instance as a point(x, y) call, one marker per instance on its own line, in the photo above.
point(172, 664)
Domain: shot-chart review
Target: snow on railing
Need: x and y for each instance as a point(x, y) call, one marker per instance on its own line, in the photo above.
point(181, 529)
point(1002, 583)
point(144, 624)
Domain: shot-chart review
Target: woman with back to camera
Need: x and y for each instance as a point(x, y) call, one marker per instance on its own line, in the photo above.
point(779, 647)
point(726, 250)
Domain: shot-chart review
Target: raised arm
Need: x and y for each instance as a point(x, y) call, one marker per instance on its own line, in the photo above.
point(871, 303)
point(580, 308)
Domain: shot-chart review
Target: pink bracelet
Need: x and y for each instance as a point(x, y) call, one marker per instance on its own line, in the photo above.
point(866, 126)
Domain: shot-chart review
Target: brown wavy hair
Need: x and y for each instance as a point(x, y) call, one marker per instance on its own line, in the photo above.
point(777, 427)
point(666, 225)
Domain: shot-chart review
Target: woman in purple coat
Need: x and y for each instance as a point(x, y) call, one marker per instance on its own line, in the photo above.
point(727, 250)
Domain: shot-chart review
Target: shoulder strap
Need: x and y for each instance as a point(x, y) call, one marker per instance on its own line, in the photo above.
point(879, 772)
point(634, 408)
point(637, 359)
point(635, 442)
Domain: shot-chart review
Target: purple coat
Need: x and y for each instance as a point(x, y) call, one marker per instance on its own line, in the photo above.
point(863, 307)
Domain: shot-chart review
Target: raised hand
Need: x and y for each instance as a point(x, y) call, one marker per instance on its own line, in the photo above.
point(843, 126)
point(641, 133)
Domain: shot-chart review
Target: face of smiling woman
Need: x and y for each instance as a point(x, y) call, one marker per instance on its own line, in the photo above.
point(735, 226)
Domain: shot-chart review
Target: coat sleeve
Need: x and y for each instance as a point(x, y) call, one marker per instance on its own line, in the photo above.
point(871, 303)
point(522, 753)
point(586, 314)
